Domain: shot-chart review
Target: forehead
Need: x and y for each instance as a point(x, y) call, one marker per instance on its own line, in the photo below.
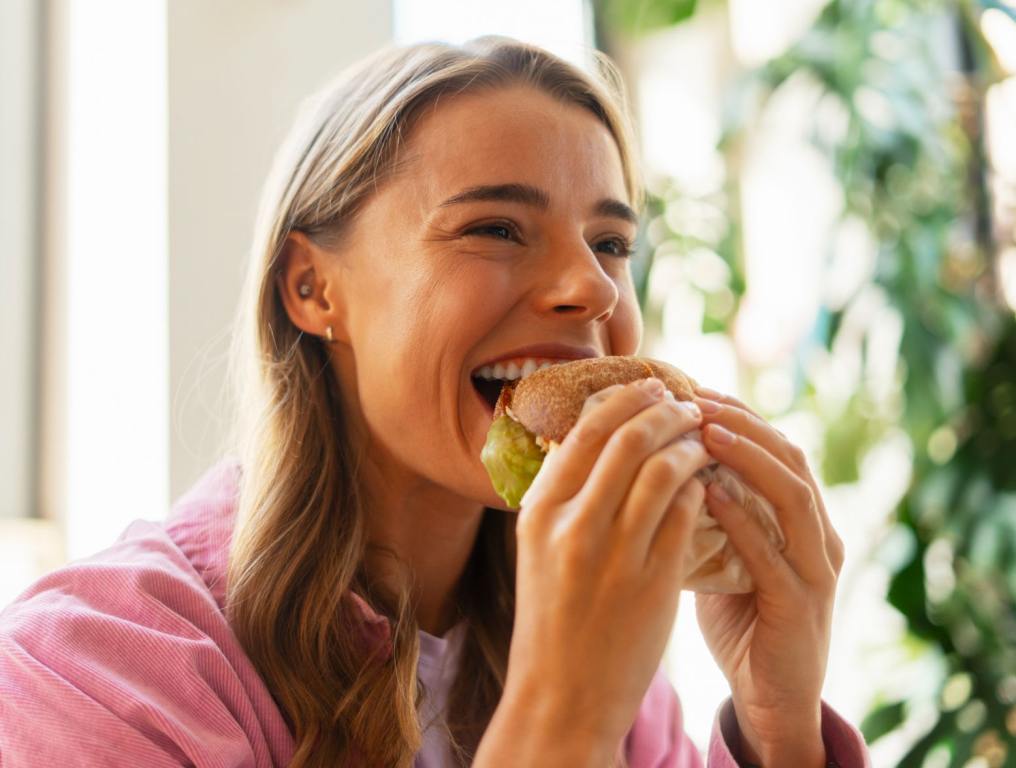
point(516, 134)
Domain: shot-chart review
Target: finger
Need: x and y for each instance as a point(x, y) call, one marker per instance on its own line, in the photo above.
point(792, 498)
point(598, 397)
point(629, 447)
point(565, 470)
point(768, 567)
point(672, 537)
point(755, 428)
point(738, 419)
point(656, 485)
point(719, 397)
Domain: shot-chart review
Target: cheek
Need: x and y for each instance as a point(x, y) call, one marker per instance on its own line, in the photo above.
point(626, 324)
point(412, 330)
point(463, 302)
point(388, 308)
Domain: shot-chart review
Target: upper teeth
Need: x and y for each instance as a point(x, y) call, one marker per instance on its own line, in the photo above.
point(516, 369)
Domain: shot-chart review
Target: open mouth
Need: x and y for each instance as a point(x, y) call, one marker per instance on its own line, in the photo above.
point(488, 381)
point(489, 389)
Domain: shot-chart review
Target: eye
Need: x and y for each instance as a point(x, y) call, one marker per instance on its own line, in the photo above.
point(499, 230)
point(617, 246)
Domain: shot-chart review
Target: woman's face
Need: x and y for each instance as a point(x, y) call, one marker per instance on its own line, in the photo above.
point(506, 226)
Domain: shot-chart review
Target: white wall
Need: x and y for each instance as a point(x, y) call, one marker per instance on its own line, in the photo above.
point(19, 301)
point(237, 69)
point(562, 26)
point(161, 118)
point(104, 330)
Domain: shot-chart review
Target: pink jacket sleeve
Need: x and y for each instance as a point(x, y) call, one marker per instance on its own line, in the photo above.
point(128, 661)
point(658, 739)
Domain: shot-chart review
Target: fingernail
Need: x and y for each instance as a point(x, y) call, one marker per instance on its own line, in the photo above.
point(653, 386)
point(691, 408)
point(719, 435)
point(707, 406)
point(717, 492)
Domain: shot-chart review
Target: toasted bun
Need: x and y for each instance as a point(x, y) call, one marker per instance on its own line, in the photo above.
point(548, 402)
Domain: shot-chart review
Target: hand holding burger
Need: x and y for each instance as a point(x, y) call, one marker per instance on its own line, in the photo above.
point(601, 539)
point(610, 496)
point(533, 415)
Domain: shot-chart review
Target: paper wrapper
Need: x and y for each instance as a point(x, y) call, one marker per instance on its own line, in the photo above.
point(712, 564)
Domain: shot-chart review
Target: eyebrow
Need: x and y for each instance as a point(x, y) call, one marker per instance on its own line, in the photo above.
point(537, 198)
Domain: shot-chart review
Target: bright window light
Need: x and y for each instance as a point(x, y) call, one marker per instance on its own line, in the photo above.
point(115, 334)
point(561, 26)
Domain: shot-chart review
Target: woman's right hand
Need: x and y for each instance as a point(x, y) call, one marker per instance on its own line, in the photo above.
point(602, 534)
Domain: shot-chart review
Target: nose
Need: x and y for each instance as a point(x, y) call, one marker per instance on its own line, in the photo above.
point(574, 282)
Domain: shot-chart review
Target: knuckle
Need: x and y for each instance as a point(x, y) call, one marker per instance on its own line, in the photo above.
point(679, 458)
point(663, 467)
point(538, 511)
point(837, 553)
point(804, 496)
point(795, 455)
point(573, 550)
point(528, 522)
point(588, 432)
point(634, 439)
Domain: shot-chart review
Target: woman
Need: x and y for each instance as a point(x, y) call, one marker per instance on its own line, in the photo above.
point(348, 589)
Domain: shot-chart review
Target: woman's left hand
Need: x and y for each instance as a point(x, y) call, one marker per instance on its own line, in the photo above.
point(772, 645)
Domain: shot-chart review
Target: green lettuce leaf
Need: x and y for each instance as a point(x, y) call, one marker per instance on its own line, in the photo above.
point(512, 459)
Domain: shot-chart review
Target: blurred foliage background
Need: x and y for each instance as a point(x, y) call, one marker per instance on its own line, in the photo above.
point(911, 105)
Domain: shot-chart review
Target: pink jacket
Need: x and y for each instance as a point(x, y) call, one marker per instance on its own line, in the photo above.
point(126, 659)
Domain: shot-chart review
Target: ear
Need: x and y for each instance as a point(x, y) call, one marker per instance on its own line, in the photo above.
point(304, 263)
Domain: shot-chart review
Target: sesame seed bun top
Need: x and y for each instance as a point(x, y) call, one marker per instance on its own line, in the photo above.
point(549, 401)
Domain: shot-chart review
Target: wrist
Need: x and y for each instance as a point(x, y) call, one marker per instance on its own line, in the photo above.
point(534, 731)
point(795, 739)
point(803, 755)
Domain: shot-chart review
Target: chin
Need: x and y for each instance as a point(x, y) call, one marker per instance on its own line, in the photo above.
point(500, 505)
point(492, 500)
point(483, 493)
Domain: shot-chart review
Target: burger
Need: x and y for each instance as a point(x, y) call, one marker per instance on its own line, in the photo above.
point(533, 415)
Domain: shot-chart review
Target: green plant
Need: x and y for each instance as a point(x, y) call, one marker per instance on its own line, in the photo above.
point(909, 159)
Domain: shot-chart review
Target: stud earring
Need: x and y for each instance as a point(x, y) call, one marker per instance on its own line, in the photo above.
point(328, 334)
point(305, 290)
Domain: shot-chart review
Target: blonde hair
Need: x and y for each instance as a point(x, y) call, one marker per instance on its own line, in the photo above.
point(301, 535)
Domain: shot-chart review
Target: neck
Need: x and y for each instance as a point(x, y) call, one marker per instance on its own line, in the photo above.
point(431, 531)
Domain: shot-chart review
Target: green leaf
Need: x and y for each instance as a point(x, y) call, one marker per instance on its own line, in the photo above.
point(512, 459)
point(639, 16)
point(882, 720)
